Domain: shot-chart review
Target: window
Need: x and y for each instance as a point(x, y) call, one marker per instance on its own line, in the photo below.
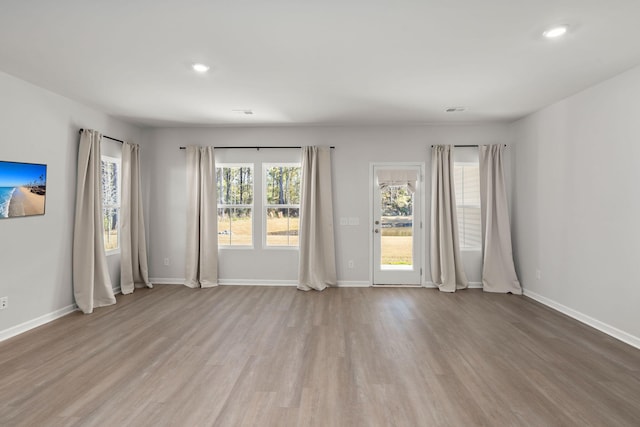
point(235, 204)
point(467, 187)
point(110, 171)
point(281, 204)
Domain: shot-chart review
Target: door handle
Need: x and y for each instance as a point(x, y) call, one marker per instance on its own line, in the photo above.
point(376, 231)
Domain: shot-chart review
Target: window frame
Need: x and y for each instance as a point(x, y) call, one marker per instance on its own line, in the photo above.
point(265, 206)
point(478, 206)
point(118, 162)
point(237, 206)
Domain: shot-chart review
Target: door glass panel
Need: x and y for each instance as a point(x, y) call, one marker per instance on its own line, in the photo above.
point(396, 246)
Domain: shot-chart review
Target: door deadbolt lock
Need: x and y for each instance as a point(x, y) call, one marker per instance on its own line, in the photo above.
point(377, 222)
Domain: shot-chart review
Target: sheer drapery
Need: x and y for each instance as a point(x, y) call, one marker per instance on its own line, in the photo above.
point(134, 271)
point(91, 283)
point(202, 219)
point(446, 264)
point(317, 264)
point(498, 270)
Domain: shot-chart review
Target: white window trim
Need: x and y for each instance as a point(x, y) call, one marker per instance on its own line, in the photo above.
point(118, 163)
point(243, 206)
point(265, 206)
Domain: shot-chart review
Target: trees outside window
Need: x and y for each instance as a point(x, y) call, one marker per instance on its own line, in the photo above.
point(235, 204)
point(282, 204)
point(110, 173)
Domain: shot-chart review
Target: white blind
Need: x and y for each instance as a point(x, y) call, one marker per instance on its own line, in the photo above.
point(467, 186)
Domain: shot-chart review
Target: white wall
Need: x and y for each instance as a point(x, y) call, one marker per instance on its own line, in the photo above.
point(35, 252)
point(577, 205)
point(356, 147)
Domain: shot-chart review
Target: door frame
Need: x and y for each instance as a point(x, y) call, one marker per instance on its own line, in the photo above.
point(422, 204)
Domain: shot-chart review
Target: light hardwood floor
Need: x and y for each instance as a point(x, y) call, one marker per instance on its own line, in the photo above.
point(260, 356)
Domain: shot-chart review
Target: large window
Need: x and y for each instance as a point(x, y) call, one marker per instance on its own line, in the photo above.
point(235, 204)
point(281, 204)
point(111, 202)
point(467, 187)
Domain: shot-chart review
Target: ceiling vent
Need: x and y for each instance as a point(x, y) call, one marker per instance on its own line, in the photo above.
point(455, 109)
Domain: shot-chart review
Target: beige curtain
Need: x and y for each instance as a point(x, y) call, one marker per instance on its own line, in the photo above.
point(202, 219)
point(133, 245)
point(91, 283)
point(498, 271)
point(317, 265)
point(446, 264)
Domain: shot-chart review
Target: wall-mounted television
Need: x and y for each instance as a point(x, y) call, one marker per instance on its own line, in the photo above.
point(23, 189)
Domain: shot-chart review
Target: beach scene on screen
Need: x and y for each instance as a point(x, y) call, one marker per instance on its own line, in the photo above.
point(23, 189)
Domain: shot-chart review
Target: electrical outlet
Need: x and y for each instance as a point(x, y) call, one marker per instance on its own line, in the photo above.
point(538, 274)
point(166, 261)
point(4, 302)
point(350, 263)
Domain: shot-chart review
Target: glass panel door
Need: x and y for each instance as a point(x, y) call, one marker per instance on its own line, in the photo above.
point(397, 225)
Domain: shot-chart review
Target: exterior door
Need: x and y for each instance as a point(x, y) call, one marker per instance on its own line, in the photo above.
point(397, 224)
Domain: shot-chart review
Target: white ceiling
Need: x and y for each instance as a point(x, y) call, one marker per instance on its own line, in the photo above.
point(316, 62)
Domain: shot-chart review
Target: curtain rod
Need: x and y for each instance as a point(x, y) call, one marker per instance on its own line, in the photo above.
point(254, 148)
point(460, 146)
point(108, 137)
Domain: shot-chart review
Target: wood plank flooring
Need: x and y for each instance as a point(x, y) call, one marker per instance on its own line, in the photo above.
point(266, 356)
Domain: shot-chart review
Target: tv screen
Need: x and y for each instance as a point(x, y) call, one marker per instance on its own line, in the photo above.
point(23, 189)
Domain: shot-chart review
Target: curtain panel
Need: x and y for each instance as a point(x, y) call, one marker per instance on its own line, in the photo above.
point(134, 271)
point(446, 263)
point(498, 270)
point(202, 219)
point(91, 283)
point(317, 263)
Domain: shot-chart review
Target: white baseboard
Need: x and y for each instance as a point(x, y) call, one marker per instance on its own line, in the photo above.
point(588, 320)
point(353, 284)
point(472, 285)
point(227, 282)
point(253, 282)
point(38, 321)
point(166, 281)
point(261, 282)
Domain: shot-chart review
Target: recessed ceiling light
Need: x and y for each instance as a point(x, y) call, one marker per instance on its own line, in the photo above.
point(455, 109)
point(200, 68)
point(246, 112)
point(555, 32)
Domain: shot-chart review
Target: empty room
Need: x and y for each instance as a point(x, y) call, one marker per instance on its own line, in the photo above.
point(292, 213)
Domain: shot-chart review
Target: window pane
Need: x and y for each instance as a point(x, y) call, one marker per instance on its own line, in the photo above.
point(283, 185)
point(110, 177)
point(282, 226)
point(458, 181)
point(467, 187)
point(224, 227)
point(235, 227)
point(241, 227)
point(397, 225)
point(471, 191)
point(469, 227)
point(110, 223)
point(110, 184)
point(235, 185)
